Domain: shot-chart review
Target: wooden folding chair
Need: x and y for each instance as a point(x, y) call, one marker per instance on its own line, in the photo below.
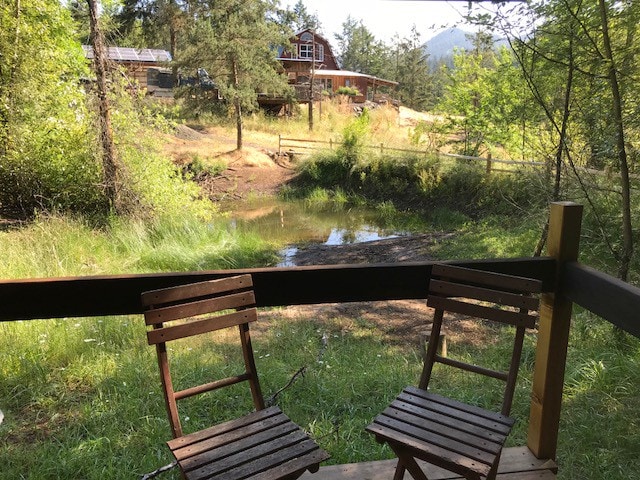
point(263, 445)
point(461, 438)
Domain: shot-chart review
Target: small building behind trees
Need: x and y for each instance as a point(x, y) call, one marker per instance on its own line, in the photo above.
point(146, 66)
point(310, 56)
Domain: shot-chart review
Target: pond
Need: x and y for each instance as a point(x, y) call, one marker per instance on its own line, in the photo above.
point(295, 223)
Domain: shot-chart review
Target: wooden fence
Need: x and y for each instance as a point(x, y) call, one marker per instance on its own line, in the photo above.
point(306, 146)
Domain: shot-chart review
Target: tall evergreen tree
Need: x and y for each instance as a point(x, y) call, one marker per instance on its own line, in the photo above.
point(359, 51)
point(235, 43)
point(412, 71)
point(298, 18)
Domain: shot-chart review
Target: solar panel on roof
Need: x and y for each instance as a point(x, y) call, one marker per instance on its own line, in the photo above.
point(128, 54)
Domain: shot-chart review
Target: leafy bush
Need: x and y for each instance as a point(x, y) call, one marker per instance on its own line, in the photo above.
point(418, 182)
point(353, 137)
point(350, 91)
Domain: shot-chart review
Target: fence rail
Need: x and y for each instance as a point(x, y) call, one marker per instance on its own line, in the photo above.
point(307, 146)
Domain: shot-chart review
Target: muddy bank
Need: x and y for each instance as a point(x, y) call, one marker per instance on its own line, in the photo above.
point(412, 248)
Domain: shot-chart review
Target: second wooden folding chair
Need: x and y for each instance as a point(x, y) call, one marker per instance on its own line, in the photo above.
point(461, 438)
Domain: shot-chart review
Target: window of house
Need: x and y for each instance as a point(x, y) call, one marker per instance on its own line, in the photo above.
point(327, 84)
point(306, 50)
point(319, 52)
point(347, 82)
point(306, 37)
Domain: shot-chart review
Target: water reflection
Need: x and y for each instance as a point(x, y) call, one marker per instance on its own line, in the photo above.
point(294, 223)
point(365, 233)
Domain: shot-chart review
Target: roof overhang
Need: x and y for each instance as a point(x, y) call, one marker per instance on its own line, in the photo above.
point(346, 73)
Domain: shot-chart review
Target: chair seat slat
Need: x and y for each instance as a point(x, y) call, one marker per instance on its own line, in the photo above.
point(426, 451)
point(458, 405)
point(208, 450)
point(507, 317)
point(198, 327)
point(268, 416)
point(194, 290)
point(448, 421)
point(449, 289)
point(256, 459)
point(244, 449)
point(434, 424)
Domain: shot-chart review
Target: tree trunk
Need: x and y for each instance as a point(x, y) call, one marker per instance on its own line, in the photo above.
point(6, 84)
point(237, 105)
point(627, 229)
point(109, 161)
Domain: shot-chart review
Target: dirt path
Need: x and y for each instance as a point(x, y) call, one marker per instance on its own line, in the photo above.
point(256, 169)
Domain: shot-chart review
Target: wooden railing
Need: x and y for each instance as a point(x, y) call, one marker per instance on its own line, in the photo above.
point(306, 146)
point(564, 281)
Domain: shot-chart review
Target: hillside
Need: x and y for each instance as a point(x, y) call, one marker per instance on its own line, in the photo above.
point(440, 48)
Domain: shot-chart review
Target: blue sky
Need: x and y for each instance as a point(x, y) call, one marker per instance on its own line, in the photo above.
point(385, 18)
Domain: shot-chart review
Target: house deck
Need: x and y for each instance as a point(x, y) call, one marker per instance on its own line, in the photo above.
point(517, 463)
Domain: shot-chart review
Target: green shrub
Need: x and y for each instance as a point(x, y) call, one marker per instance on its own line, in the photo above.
point(350, 91)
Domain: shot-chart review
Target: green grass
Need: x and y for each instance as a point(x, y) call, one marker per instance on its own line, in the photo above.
point(82, 398)
point(54, 246)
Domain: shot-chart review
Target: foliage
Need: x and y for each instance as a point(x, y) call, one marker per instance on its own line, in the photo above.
point(63, 246)
point(234, 42)
point(412, 71)
point(350, 91)
point(353, 137)
point(484, 98)
point(46, 154)
point(298, 18)
point(359, 51)
point(420, 183)
point(579, 62)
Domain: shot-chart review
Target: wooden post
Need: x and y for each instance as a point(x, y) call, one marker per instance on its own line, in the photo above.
point(489, 164)
point(553, 334)
point(279, 144)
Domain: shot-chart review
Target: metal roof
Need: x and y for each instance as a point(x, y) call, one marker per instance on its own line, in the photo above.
point(347, 73)
point(127, 54)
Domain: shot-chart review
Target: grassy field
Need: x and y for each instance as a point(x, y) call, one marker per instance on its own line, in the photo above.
point(81, 397)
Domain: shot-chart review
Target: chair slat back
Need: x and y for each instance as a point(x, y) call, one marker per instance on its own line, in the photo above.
point(189, 310)
point(501, 298)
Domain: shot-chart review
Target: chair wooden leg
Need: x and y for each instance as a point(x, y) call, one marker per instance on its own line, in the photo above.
point(406, 462)
point(399, 475)
point(494, 470)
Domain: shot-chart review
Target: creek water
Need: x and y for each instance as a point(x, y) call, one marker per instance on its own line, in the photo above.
point(294, 223)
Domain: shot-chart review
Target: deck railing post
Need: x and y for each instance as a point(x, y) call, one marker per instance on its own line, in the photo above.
point(553, 334)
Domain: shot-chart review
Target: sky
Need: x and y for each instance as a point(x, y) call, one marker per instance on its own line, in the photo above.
point(385, 18)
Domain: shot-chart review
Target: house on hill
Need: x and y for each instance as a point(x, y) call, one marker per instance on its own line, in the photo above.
point(147, 66)
point(311, 56)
